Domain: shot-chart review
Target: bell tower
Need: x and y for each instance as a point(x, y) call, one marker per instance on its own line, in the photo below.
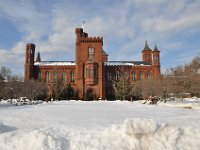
point(29, 61)
point(156, 62)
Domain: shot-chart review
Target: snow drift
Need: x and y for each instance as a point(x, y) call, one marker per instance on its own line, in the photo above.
point(133, 134)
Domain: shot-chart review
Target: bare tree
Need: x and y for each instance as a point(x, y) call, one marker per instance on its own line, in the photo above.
point(5, 72)
point(184, 79)
point(34, 89)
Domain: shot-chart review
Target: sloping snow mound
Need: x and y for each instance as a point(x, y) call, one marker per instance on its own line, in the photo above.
point(35, 140)
point(133, 134)
point(137, 134)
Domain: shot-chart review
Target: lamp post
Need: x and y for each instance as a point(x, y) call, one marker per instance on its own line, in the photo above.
point(11, 93)
point(34, 94)
point(164, 93)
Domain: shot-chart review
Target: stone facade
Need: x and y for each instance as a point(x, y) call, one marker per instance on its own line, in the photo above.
point(91, 74)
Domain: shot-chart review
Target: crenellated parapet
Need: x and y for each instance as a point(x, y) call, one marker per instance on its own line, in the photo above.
point(83, 37)
point(91, 39)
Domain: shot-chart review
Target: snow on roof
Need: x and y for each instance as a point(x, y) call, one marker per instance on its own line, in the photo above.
point(126, 63)
point(55, 63)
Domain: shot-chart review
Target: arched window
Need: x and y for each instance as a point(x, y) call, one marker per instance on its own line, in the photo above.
point(91, 72)
point(91, 53)
point(149, 75)
point(133, 75)
point(156, 58)
point(109, 76)
point(126, 74)
point(117, 75)
point(55, 76)
point(95, 72)
point(149, 57)
point(141, 75)
point(87, 72)
point(64, 76)
point(47, 76)
point(72, 76)
point(39, 75)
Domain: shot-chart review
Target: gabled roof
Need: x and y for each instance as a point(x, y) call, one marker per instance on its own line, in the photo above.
point(126, 63)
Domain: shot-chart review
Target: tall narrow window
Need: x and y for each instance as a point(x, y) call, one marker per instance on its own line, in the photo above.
point(55, 76)
point(95, 72)
point(27, 58)
point(149, 75)
point(87, 72)
point(158, 59)
point(72, 76)
point(109, 76)
point(64, 76)
point(39, 75)
point(47, 76)
point(149, 57)
point(141, 75)
point(117, 75)
point(134, 75)
point(91, 53)
point(91, 72)
point(126, 74)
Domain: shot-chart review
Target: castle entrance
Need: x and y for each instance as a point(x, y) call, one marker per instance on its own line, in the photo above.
point(89, 94)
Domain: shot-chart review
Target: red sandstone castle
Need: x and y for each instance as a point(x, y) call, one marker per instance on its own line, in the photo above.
point(91, 74)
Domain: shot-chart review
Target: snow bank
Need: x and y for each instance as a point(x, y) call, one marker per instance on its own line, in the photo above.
point(137, 134)
point(35, 140)
point(133, 134)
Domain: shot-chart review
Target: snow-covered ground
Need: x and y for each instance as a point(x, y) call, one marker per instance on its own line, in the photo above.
point(98, 125)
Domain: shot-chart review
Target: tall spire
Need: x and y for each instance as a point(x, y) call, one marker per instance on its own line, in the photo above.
point(82, 24)
point(146, 46)
point(38, 59)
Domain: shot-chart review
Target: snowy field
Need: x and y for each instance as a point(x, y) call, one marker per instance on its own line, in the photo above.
point(98, 125)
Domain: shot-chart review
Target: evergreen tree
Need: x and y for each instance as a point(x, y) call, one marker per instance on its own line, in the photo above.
point(122, 86)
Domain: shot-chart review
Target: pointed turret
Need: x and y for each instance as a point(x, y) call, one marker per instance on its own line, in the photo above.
point(146, 47)
point(155, 48)
point(38, 59)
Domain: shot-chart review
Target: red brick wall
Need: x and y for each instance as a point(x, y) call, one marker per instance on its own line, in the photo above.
point(100, 86)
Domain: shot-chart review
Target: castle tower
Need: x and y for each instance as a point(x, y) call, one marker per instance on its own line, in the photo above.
point(89, 65)
point(156, 62)
point(29, 61)
point(147, 53)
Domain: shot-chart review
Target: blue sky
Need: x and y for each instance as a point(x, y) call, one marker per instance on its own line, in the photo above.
point(174, 25)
